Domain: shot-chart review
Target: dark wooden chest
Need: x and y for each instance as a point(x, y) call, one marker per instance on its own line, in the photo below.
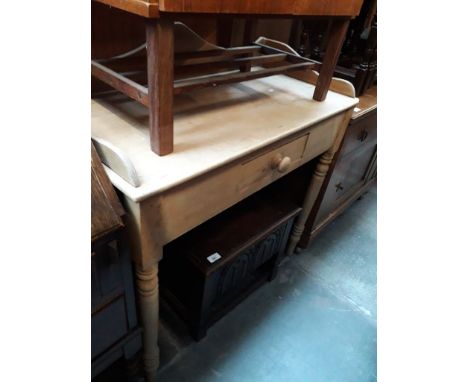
point(208, 271)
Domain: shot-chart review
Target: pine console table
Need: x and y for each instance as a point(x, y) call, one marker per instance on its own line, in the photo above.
point(231, 142)
point(157, 88)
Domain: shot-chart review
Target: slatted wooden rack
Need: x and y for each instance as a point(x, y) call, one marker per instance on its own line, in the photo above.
point(235, 64)
point(175, 59)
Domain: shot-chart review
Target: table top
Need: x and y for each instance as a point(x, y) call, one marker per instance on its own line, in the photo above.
point(212, 127)
point(367, 103)
point(154, 8)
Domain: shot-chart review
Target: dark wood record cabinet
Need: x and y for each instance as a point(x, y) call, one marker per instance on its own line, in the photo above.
point(115, 333)
point(208, 271)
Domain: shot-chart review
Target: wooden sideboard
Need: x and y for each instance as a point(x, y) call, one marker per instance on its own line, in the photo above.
point(231, 142)
point(352, 171)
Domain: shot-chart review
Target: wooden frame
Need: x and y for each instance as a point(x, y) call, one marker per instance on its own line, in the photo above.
point(154, 78)
point(155, 84)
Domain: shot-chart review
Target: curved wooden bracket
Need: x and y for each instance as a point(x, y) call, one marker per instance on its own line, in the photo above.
point(264, 41)
point(117, 161)
point(338, 85)
point(186, 40)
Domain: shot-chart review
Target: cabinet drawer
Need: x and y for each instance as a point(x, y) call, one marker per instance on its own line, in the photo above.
point(348, 174)
point(183, 208)
point(108, 326)
point(106, 275)
point(361, 132)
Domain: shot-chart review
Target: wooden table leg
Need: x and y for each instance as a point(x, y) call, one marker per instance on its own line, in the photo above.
point(147, 250)
point(160, 51)
point(337, 36)
point(312, 193)
point(316, 184)
point(148, 298)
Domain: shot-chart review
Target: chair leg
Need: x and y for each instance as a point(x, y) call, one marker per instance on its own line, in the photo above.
point(337, 36)
point(160, 50)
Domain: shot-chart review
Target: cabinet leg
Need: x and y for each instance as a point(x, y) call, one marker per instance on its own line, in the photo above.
point(148, 296)
point(311, 196)
point(160, 51)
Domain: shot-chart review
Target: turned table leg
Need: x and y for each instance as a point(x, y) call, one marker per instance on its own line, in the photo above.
point(148, 297)
point(160, 52)
point(316, 184)
point(312, 193)
point(337, 37)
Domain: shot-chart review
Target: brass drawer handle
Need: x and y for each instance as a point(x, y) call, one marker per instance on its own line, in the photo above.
point(281, 163)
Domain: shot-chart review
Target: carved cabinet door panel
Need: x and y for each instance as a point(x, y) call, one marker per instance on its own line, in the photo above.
point(349, 174)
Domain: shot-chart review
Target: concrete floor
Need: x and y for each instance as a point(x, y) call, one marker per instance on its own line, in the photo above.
point(315, 322)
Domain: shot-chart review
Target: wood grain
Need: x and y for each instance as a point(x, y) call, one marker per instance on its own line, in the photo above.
point(349, 162)
point(134, 90)
point(106, 210)
point(316, 182)
point(145, 8)
point(337, 36)
point(196, 57)
point(184, 85)
point(147, 286)
point(160, 48)
point(221, 189)
point(114, 31)
point(151, 8)
point(261, 7)
point(212, 127)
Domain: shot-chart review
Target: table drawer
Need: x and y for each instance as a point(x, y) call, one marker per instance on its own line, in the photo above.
point(264, 169)
point(184, 207)
point(361, 132)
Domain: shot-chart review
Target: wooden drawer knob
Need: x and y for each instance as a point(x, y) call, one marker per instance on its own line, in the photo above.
point(281, 163)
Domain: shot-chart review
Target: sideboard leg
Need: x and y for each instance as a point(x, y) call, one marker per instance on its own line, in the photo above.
point(148, 296)
point(337, 37)
point(160, 52)
point(311, 196)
